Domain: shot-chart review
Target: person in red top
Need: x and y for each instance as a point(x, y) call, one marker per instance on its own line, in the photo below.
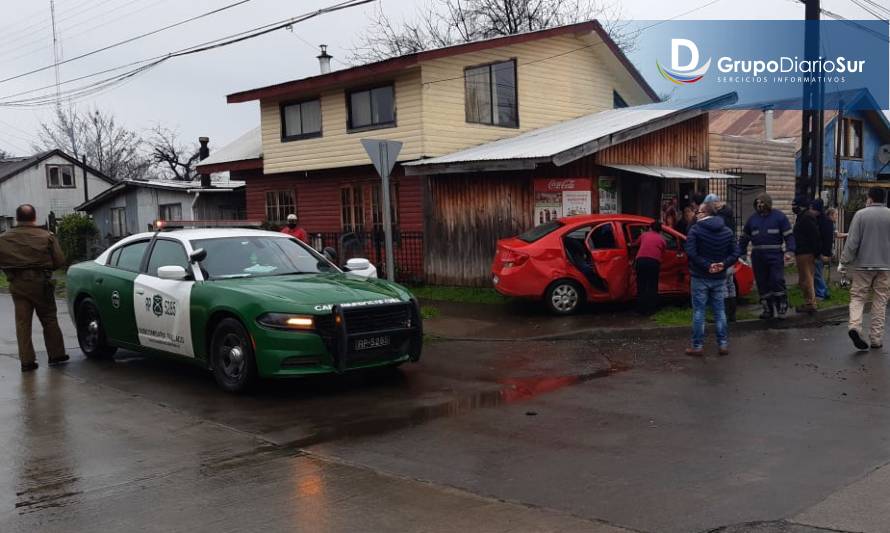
point(293, 230)
point(648, 266)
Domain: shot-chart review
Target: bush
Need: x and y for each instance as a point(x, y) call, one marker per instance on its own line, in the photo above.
point(76, 233)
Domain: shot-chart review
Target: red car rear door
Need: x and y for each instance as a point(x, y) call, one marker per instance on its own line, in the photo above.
point(609, 253)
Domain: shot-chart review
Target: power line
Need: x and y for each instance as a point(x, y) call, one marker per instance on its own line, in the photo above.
point(878, 6)
point(127, 41)
point(146, 64)
point(868, 9)
point(17, 35)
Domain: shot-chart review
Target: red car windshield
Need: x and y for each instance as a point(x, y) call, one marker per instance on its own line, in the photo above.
point(538, 232)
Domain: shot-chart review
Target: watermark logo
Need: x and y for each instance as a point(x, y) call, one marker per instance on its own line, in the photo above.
point(691, 72)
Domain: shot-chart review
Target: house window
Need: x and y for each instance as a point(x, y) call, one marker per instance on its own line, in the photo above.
point(377, 206)
point(118, 221)
point(300, 120)
point(352, 214)
point(60, 176)
point(170, 212)
point(850, 138)
point(279, 204)
point(617, 100)
point(491, 94)
point(372, 108)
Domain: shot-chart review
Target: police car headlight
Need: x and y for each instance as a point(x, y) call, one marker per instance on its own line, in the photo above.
point(286, 321)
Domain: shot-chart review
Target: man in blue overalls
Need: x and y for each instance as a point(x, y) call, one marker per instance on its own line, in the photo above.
point(772, 239)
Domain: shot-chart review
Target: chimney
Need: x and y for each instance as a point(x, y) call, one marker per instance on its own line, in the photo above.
point(204, 153)
point(768, 123)
point(324, 60)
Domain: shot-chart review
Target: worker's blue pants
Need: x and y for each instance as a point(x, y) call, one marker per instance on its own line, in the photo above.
point(769, 273)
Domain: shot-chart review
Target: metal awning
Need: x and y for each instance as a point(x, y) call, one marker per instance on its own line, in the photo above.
point(675, 173)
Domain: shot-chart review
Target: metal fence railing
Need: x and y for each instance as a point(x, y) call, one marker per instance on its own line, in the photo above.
point(407, 250)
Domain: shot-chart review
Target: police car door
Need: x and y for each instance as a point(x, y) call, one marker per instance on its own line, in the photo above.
point(162, 305)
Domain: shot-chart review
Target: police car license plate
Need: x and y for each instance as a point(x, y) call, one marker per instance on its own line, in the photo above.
point(369, 343)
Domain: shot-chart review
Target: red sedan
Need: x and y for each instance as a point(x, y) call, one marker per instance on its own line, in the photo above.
point(589, 258)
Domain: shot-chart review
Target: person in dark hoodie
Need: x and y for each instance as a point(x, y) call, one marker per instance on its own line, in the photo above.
point(767, 230)
point(711, 249)
point(808, 246)
point(826, 234)
point(723, 211)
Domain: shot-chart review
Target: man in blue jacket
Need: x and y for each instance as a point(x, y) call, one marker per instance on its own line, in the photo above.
point(711, 248)
point(769, 232)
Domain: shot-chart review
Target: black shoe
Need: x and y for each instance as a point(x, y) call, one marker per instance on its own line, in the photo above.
point(782, 306)
point(858, 340)
point(29, 367)
point(767, 309)
point(61, 360)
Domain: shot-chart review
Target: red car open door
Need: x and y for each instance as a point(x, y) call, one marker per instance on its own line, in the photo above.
point(673, 277)
point(610, 259)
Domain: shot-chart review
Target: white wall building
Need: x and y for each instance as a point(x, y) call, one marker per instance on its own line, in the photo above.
point(51, 181)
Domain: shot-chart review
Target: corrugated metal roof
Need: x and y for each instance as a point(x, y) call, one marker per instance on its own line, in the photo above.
point(672, 172)
point(247, 146)
point(544, 143)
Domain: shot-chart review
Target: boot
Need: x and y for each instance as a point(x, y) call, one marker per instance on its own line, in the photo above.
point(767, 305)
point(730, 304)
point(782, 305)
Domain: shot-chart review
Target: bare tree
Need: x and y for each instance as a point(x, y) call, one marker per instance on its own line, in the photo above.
point(171, 158)
point(4, 154)
point(447, 22)
point(109, 148)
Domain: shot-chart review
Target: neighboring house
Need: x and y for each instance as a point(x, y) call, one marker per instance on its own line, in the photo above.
point(863, 132)
point(53, 182)
point(436, 102)
point(134, 206)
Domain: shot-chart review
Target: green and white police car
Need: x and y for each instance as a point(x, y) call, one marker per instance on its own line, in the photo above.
point(244, 303)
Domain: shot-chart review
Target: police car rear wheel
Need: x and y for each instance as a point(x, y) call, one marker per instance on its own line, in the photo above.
point(234, 366)
point(90, 331)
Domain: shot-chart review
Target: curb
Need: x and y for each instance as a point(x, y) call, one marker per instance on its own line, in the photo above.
point(830, 316)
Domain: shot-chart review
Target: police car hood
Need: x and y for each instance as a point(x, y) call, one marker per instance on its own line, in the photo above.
point(316, 289)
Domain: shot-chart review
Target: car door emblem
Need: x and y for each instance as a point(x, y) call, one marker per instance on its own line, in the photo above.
point(115, 299)
point(157, 305)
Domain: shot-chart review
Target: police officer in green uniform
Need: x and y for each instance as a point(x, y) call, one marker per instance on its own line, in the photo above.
point(28, 256)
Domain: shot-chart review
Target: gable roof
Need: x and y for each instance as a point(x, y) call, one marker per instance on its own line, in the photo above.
point(246, 148)
point(570, 140)
point(185, 187)
point(11, 167)
point(395, 64)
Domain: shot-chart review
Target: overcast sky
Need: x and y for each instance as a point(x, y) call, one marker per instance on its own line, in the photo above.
point(189, 93)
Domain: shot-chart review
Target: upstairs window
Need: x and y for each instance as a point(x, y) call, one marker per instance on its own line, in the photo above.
point(617, 100)
point(491, 94)
point(300, 120)
point(850, 138)
point(279, 204)
point(372, 108)
point(60, 176)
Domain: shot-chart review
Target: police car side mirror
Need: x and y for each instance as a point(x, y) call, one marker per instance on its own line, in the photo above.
point(198, 255)
point(174, 272)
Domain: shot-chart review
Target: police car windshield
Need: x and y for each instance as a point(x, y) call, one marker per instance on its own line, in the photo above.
point(258, 256)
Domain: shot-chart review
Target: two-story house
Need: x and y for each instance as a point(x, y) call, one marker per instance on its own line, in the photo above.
point(498, 135)
point(53, 182)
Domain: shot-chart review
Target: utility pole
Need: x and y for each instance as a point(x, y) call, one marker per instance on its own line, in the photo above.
point(838, 140)
point(812, 135)
point(57, 53)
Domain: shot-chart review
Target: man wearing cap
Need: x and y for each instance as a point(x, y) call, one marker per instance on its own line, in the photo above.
point(294, 230)
point(769, 232)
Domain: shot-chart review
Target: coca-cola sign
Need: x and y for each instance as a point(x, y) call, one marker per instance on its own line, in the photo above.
point(562, 184)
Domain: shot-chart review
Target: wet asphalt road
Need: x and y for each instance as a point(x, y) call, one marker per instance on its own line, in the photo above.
point(790, 433)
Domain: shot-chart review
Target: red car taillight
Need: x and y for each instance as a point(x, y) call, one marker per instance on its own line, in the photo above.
point(512, 259)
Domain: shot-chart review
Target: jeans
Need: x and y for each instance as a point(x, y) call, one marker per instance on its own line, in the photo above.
point(819, 280)
point(708, 292)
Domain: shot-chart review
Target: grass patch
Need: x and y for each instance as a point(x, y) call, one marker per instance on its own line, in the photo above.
point(682, 316)
point(427, 312)
point(458, 294)
point(4, 283)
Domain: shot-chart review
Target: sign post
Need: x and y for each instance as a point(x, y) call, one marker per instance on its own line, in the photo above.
point(383, 155)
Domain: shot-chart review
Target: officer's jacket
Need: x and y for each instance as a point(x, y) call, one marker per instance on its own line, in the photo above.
point(29, 248)
point(767, 233)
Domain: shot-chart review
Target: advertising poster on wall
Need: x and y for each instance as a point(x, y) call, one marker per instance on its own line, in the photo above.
point(608, 189)
point(562, 197)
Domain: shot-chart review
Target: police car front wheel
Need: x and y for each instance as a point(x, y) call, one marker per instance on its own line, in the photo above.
point(232, 358)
